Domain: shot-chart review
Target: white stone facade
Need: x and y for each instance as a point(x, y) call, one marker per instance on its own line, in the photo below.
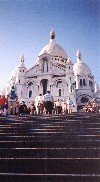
point(53, 71)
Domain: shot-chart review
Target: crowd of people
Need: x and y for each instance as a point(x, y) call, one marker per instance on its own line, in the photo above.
point(46, 104)
point(12, 107)
point(90, 107)
point(43, 104)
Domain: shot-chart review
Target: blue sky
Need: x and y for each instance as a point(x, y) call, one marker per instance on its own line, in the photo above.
point(25, 26)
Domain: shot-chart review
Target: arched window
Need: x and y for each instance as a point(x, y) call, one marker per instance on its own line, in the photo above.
point(59, 83)
point(45, 65)
point(30, 93)
point(59, 92)
point(30, 84)
point(75, 84)
point(84, 82)
point(80, 82)
point(90, 83)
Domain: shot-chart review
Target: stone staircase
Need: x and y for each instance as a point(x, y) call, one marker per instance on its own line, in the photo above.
point(50, 148)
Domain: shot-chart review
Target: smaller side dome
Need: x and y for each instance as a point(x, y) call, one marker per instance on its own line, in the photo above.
point(22, 59)
point(80, 67)
point(21, 65)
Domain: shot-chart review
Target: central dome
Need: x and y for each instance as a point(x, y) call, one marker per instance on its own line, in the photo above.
point(53, 49)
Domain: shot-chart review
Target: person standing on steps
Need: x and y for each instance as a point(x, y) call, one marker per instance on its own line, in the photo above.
point(57, 106)
point(64, 106)
point(48, 102)
point(69, 105)
point(39, 104)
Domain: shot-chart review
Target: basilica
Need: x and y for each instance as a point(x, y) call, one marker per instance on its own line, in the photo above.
point(53, 71)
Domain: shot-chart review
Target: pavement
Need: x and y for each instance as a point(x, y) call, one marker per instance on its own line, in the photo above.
point(50, 148)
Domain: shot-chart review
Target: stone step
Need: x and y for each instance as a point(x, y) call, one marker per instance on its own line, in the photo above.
point(43, 121)
point(52, 144)
point(50, 166)
point(32, 132)
point(49, 152)
point(24, 177)
point(35, 130)
point(50, 148)
point(51, 137)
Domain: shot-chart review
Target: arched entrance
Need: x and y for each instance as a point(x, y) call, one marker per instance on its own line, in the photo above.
point(44, 84)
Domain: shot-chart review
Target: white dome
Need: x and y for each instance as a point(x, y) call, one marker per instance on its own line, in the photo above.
point(21, 65)
point(53, 49)
point(81, 68)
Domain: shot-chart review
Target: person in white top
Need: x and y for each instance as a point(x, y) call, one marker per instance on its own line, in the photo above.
point(39, 104)
point(58, 106)
point(69, 105)
point(48, 102)
point(64, 106)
